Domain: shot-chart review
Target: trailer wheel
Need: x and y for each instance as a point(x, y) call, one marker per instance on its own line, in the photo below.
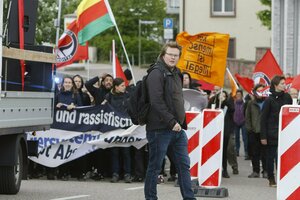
point(11, 176)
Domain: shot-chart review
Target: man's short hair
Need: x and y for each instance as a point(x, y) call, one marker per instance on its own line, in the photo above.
point(170, 44)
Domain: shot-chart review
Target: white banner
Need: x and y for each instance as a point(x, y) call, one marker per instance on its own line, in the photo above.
point(58, 146)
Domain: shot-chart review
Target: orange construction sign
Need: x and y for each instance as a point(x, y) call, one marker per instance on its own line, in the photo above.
point(204, 56)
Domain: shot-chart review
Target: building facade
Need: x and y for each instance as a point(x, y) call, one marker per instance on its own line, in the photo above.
point(235, 17)
point(285, 34)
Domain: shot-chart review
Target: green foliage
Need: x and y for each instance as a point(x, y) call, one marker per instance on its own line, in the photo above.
point(127, 14)
point(47, 13)
point(265, 15)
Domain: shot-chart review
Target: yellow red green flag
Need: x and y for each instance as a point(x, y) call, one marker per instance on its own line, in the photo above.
point(204, 56)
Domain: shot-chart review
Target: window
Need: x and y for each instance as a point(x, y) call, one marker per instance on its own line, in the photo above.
point(231, 48)
point(223, 8)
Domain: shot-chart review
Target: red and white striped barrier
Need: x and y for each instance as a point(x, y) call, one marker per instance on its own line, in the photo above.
point(193, 120)
point(211, 145)
point(288, 178)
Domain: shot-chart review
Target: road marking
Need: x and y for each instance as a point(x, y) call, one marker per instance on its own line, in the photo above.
point(135, 188)
point(72, 197)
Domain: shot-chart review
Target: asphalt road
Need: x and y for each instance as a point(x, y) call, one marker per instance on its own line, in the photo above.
point(240, 187)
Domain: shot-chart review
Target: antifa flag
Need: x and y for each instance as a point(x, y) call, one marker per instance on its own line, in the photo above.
point(69, 50)
point(263, 72)
point(266, 69)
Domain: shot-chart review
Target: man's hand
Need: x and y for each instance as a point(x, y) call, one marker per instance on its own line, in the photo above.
point(264, 142)
point(177, 127)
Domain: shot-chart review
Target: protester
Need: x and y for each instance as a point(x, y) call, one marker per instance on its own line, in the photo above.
point(99, 92)
point(99, 159)
point(80, 165)
point(118, 98)
point(270, 122)
point(239, 123)
point(85, 98)
point(67, 98)
point(166, 121)
point(294, 94)
point(258, 151)
point(227, 104)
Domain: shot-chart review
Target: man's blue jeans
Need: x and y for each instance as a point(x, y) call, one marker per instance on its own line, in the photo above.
point(158, 142)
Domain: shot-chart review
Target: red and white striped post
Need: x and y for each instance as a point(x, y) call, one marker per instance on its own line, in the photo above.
point(211, 145)
point(288, 174)
point(193, 120)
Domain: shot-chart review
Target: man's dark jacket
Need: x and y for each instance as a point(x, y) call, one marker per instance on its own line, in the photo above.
point(270, 116)
point(97, 93)
point(166, 98)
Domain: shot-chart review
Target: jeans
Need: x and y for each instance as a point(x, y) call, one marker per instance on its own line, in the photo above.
point(237, 130)
point(116, 153)
point(158, 142)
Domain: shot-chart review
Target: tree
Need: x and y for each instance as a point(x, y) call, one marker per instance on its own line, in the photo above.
point(127, 15)
point(265, 15)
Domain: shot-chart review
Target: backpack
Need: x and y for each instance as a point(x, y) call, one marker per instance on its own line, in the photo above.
point(138, 104)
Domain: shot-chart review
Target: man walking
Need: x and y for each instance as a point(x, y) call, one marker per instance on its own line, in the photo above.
point(166, 121)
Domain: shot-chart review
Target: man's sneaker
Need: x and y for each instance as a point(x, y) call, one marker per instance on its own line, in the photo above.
point(235, 171)
point(127, 178)
point(225, 174)
point(172, 178)
point(272, 182)
point(265, 174)
point(253, 175)
point(115, 178)
point(137, 179)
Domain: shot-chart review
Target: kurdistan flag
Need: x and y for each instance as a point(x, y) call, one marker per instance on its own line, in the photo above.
point(93, 17)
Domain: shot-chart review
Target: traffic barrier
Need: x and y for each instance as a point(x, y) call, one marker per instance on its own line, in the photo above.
point(288, 174)
point(210, 162)
point(193, 120)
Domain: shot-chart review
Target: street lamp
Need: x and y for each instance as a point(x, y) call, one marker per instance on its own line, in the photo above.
point(140, 46)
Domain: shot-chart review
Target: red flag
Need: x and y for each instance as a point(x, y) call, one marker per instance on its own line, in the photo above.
point(296, 82)
point(266, 69)
point(205, 85)
point(245, 82)
point(69, 50)
point(119, 71)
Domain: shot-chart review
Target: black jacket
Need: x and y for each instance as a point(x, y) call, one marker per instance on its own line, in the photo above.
point(270, 116)
point(67, 97)
point(228, 118)
point(97, 93)
point(166, 98)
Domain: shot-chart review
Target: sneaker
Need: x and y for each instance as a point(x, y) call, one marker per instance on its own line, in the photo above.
point(97, 176)
point(115, 178)
point(172, 178)
point(265, 174)
point(127, 178)
point(253, 175)
point(160, 179)
point(235, 171)
point(272, 182)
point(225, 174)
point(65, 177)
point(137, 179)
point(82, 177)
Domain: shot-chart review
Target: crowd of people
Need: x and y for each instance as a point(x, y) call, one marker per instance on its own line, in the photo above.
point(252, 116)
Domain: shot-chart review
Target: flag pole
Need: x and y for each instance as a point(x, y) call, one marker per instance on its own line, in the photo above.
point(229, 73)
point(114, 59)
point(121, 40)
point(126, 55)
